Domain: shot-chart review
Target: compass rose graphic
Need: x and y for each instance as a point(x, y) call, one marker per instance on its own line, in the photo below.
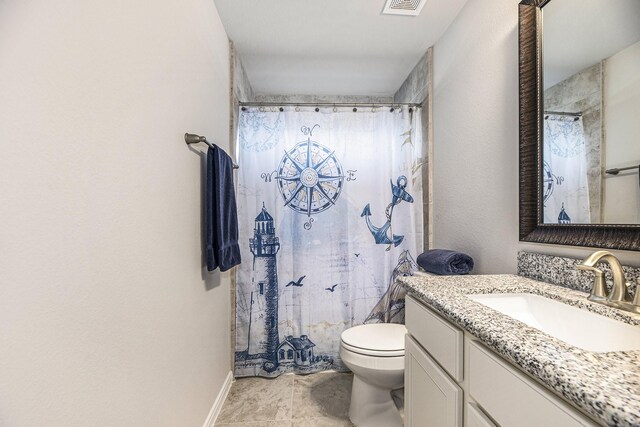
point(549, 180)
point(310, 178)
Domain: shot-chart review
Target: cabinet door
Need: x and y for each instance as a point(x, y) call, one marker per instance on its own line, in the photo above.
point(475, 417)
point(432, 399)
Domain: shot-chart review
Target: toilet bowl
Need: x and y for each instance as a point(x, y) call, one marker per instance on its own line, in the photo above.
point(375, 355)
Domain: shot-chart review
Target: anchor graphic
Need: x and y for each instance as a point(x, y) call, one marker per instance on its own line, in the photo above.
point(384, 235)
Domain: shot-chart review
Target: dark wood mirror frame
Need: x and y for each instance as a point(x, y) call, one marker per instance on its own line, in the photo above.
point(532, 228)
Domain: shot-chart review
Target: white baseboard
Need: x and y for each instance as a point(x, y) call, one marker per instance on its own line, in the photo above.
point(217, 404)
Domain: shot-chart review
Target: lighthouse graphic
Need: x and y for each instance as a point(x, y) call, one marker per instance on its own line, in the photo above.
point(263, 312)
point(265, 354)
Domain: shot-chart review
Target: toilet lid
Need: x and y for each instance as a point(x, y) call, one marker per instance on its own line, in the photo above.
point(377, 339)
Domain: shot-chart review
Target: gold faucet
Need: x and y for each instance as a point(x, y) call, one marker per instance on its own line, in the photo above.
point(619, 296)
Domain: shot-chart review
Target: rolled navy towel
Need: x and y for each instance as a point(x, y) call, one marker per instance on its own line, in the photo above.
point(445, 262)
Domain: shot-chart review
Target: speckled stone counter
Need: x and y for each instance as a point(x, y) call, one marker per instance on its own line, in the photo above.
point(604, 385)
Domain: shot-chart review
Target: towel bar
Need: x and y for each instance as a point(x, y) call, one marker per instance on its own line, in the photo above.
point(616, 171)
point(192, 138)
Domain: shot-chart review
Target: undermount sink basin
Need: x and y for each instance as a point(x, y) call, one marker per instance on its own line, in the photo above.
point(580, 328)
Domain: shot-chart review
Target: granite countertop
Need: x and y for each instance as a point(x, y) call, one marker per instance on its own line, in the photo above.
point(604, 385)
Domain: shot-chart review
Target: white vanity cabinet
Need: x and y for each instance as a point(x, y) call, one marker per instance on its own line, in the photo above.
point(431, 397)
point(452, 380)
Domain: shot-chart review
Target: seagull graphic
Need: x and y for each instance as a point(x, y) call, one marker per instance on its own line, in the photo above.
point(357, 255)
point(331, 289)
point(298, 283)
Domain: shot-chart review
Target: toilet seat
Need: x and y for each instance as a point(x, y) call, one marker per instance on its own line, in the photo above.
point(375, 355)
point(370, 352)
point(378, 339)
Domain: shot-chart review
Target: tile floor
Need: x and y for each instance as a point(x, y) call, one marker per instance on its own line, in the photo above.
point(316, 400)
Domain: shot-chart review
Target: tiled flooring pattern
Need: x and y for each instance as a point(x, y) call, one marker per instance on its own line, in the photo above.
point(317, 400)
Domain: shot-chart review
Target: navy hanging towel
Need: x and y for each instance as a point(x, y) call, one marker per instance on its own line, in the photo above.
point(221, 214)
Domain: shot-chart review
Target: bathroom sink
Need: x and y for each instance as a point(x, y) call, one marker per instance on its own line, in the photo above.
point(580, 328)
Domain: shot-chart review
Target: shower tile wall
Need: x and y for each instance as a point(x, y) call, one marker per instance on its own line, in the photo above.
point(241, 91)
point(310, 99)
point(416, 89)
point(583, 92)
point(241, 86)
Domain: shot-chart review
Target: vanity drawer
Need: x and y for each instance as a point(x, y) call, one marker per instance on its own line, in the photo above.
point(443, 341)
point(511, 398)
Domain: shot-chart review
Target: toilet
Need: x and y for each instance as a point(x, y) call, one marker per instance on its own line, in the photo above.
point(375, 355)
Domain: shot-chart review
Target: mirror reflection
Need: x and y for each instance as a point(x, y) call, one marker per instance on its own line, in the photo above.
point(591, 126)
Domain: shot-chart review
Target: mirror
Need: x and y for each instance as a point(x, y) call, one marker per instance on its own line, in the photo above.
point(580, 122)
point(591, 126)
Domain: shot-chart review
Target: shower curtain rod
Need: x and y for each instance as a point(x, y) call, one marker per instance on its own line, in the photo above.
point(329, 104)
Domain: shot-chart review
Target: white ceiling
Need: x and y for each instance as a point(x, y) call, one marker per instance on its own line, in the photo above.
point(331, 47)
point(580, 33)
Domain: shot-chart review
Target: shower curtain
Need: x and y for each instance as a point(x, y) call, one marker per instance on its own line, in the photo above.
point(565, 180)
point(330, 213)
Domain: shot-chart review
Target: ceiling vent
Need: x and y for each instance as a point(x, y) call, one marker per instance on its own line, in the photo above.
point(403, 7)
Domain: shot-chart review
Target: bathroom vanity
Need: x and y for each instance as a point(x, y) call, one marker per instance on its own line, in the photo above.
point(468, 364)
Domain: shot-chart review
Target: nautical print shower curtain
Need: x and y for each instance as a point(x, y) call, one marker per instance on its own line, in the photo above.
point(566, 185)
point(330, 213)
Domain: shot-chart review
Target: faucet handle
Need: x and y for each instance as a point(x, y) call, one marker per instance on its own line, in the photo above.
point(599, 290)
point(620, 295)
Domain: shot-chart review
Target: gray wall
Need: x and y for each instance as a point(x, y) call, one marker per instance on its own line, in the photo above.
point(475, 145)
point(475, 122)
point(107, 316)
